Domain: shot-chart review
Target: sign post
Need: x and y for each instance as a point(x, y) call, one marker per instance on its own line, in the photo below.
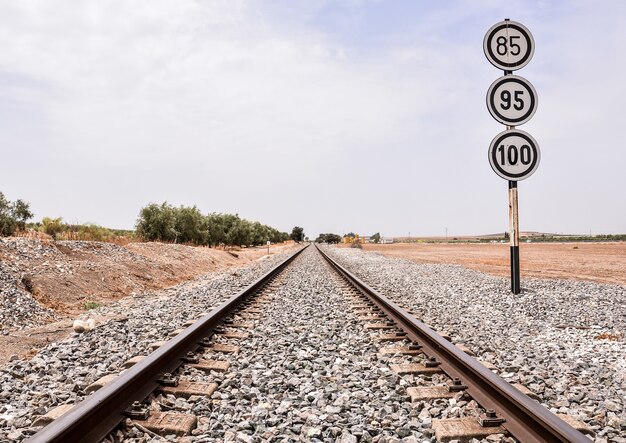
point(512, 100)
point(514, 238)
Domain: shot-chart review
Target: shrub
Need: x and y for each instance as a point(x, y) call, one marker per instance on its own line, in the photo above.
point(92, 305)
point(52, 226)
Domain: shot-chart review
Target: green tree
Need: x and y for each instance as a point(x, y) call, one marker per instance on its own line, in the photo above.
point(216, 227)
point(13, 215)
point(232, 229)
point(297, 234)
point(328, 238)
point(8, 223)
point(157, 223)
point(260, 233)
point(376, 237)
point(22, 213)
point(239, 233)
point(190, 226)
point(277, 237)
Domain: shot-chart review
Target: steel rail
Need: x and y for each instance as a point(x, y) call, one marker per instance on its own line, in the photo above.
point(526, 420)
point(97, 415)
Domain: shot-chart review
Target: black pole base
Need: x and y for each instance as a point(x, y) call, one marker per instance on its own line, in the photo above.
point(515, 273)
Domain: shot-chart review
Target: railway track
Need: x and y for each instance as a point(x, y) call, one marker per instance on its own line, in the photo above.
point(505, 406)
point(94, 418)
point(435, 369)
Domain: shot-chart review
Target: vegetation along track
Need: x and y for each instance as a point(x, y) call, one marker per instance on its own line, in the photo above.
point(317, 362)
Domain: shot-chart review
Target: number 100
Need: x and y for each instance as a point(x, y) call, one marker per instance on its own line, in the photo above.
point(513, 155)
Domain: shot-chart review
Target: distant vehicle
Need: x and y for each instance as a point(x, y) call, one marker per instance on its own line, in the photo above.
point(386, 240)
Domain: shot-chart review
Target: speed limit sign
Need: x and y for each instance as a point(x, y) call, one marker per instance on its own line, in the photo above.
point(514, 155)
point(512, 100)
point(509, 45)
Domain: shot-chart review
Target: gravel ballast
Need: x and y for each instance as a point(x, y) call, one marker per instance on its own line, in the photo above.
point(59, 373)
point(310, 371)
point(563, 339)
point(18, 308)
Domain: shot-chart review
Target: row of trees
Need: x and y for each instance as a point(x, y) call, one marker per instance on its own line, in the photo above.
point(162, 222)
point(13, 215)
point(186, 224)
point(328, 238)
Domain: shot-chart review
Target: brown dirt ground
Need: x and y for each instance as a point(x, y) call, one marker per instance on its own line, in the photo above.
point(100, 274)
point(596, 262)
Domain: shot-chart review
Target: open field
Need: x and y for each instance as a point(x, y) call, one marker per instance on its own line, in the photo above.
point(597, 262)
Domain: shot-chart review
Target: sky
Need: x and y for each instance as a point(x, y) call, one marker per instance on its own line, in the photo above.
point(355, 115)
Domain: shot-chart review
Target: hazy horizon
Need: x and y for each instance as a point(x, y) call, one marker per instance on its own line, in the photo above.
point(336, 116)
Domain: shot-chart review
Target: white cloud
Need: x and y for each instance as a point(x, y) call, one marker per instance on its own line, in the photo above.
point(244, 107)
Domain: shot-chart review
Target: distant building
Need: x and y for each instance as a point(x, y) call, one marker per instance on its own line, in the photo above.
point(386, 240)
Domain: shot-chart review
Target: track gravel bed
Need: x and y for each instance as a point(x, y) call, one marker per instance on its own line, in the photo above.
point(562, 339)
point(59, 373)
point(311, 372)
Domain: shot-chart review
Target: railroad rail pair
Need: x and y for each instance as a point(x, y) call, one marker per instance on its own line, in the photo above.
point(525, 419)
point(98, 415)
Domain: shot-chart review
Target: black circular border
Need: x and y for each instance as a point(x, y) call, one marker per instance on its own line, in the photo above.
point(493, 109)
point(494, 162)
point(502, 65)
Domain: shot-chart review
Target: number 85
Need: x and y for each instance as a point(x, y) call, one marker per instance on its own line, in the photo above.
point(502, 48)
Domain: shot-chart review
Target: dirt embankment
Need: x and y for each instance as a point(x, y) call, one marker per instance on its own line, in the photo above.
point(68, 275)
point(596, 262)
point(45, 285)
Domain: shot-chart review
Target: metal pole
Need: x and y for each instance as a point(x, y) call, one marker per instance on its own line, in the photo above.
point(514, 228)
point(514, 237)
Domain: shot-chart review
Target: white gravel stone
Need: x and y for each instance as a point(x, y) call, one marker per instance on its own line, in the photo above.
point(316, 371)
point(60, 373)
point(309, 371)
point(548, 338)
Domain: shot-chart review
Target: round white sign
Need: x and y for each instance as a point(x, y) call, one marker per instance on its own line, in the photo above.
point(512, 100)
point(509, 45)
point(514, 155)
